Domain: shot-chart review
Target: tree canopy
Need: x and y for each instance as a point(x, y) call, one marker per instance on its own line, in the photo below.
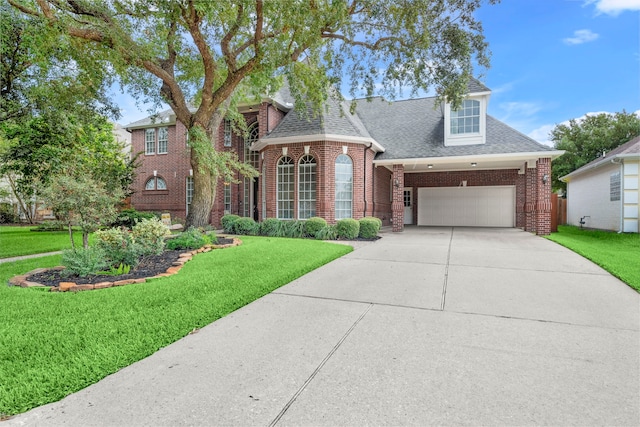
point(215, 54)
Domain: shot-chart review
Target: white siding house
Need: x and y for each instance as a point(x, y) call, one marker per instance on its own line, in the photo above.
point(605, 193)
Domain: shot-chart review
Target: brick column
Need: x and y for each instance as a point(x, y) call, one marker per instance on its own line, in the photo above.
point(543, 203)
point(531, 199)
point(397, 204)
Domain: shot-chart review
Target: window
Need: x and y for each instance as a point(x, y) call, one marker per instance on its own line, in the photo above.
point(189, 192)
point(155, 183)
point(227, 198)
point(252, 158)
point(150, 141)
point(163, 140)
point(467, 118)
point(614, 187)
point(344, 187)
point(227, 133)
point(307, 187)
point(285, 188)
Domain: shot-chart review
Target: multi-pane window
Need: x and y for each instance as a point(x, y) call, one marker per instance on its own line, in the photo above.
point(150, 141)
point(227, 198)
point(163, 140)
point(253, 158)
point(285, 188)
point(614, 186)
point(344, 187)
point(227, 133)
point(467, 118)
point(189, 192)
point(307, 187)
point(155, 183)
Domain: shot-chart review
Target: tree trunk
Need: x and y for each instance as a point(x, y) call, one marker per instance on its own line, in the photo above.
point(85, 240)
point(204, 195)
point(73, 244)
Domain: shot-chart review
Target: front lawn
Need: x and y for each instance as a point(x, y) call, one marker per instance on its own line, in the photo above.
point(15, 241)
point(619, 254)
point(54, 344)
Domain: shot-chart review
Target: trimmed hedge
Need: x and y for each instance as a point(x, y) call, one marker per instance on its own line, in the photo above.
point(313, 225)
point(347, 228)
point(228, 222)
point(369, 227)
point(246, 226)
point(272, 227)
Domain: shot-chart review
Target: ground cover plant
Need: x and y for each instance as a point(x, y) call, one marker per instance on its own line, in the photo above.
point(53, 344)
point(618, 253)
point(15, 241)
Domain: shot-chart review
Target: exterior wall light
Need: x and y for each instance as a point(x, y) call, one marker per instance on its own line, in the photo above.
point(474, 164)
point(545, 178)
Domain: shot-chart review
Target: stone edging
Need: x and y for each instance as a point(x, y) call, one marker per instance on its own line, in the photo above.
point(21, 280)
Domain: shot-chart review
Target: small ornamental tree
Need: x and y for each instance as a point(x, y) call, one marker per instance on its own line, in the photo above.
point(83, 202)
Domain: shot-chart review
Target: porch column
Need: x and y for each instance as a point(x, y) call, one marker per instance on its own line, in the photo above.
point(397, 203)
point(530, 198)
point(543, 205)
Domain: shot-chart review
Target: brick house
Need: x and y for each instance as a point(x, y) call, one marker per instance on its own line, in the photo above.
point(407, 162)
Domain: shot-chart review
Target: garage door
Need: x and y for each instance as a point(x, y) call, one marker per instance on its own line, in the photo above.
point(467, 206)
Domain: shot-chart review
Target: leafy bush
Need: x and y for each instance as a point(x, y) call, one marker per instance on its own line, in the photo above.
point(313, 225)
point(272, 227)
point(327, 233)
point(294, 228)
point(49, 226)
point(369, 227)
point(83, 261)
point(149, 234)
point(7, 214)
point(347, 228)
point(246, 226)
point(228, 222)
point(192, 238)
point(119, 246)
point(130, 217)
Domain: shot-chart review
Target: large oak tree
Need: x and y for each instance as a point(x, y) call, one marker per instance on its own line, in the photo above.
point(214, 53)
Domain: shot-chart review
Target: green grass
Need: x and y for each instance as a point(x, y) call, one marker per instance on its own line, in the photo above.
point(54, 344)
point(16, 241)
point(619, 254)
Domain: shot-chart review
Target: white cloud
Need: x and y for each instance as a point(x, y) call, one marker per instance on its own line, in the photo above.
point(581, 36)
point(615, 7)
point(541, 134)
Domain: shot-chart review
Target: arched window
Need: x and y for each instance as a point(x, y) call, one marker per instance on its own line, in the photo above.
point(285, 188)
point(467, 118)
point(344, 187)
point(253, 158)
point(307, 187)
point(155, 183)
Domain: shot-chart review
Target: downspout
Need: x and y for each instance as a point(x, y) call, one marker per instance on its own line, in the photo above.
point(364, 179)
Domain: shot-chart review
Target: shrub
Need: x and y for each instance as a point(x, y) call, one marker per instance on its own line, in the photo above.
point(49, 226)
point(119, 246)
point(130, 217)
point(246, 226)
point(190, 239)
point(327, 233)
point(313, 225)
point(228, 222)
point(149, 234)
point(7, 214)
point(347, 228)
point(83, 262)
point(272, 227)
point(369, 227)
point(294, 228)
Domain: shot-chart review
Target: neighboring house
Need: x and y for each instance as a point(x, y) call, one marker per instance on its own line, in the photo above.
point(406, 162)
point(604, 194)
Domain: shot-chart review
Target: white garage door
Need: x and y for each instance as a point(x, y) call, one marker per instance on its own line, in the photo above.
point(467, 206)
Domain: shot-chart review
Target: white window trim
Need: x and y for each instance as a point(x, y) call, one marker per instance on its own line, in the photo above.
point(147, 141)
point(164, 130)
point(466, 138)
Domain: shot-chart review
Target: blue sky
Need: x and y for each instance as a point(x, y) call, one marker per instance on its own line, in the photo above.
point(552, 61)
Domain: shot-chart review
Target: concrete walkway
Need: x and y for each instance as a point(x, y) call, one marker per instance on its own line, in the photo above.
point(18, 258)
point(433, 326)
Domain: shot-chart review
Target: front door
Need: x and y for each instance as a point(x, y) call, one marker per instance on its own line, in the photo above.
point(408, 205)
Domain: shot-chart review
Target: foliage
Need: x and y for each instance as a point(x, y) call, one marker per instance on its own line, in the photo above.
point(220, 53)
point(192, 238)
point(272, 227)
point(130, 217)
point(149, 234)
point(116, 271)
point(584, 140)
point(83, 261)
point(615, 252)
point(103, 331)
point(313, 225)
point(119, 246)
point(80, 200)
point(7, 214)
point(369, 227)
point(228, 222)
point(347, 228)
point(246, 226)
point(327, 233)
point(294, 228)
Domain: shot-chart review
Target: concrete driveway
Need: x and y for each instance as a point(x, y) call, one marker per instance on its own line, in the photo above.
point(432, 326)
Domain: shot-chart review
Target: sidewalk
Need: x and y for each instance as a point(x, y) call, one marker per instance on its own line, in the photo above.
point(18, 258)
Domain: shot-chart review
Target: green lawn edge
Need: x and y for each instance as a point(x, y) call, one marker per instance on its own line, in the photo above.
point(617, 253)
point(54, 344)
point(19, 241)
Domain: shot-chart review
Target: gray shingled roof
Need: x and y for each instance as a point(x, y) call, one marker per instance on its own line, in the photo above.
point(475, 86)
point(628, 148)
point(414, 129)
point(158, 118)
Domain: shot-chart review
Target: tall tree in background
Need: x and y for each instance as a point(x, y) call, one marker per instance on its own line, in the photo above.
point(213, 53)
point(584, 140)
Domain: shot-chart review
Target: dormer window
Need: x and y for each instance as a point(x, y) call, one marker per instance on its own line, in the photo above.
point(467, 118)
